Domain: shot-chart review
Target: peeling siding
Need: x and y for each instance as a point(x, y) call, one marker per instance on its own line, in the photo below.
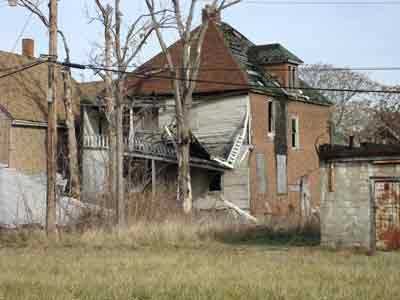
point(214, 122)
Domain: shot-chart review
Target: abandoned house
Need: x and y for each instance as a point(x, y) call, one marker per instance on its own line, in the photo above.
point(23, 113)
point(253, 137)
point(360, 196)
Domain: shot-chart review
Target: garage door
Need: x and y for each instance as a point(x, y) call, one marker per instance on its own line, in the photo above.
point(387, 214)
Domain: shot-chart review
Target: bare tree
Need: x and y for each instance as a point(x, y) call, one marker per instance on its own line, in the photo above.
point(119, 52)
point(183, 78)
point(327, 76)
point(68, 100)
point(384, 121)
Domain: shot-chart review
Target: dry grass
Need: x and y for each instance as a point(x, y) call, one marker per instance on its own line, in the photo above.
point(180, 260)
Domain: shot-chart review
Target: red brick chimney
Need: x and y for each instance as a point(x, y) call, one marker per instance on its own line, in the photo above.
point(211, 12)
point(28, 47)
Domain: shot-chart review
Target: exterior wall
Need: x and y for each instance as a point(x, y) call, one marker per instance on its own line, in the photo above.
point(94, 160)
point(302, 163)
point(28, 149)
point(5, 128)
point(94, 173)
point(236, 183)
point(347, 212)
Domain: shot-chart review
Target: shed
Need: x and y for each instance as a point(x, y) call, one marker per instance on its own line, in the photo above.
point(360, 196)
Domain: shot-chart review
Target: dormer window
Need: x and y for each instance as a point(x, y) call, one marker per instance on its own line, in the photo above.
point(292, 76)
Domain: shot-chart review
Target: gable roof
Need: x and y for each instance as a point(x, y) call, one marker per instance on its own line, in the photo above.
point(24, 94)
point(227, 57)
point(217, 64)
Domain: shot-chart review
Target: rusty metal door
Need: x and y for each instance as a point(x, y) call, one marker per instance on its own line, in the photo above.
point(5, 125)
point(387, 214)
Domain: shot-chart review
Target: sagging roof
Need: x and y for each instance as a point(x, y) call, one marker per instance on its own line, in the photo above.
point(24, 94)
point(227, 57)
point(272, 54)
point(365, 150)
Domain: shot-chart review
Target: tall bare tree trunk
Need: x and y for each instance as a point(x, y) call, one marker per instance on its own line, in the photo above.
point(72, 143)
point(120, 159)
point(184, 178)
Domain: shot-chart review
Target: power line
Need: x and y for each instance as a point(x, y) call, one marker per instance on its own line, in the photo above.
point(22, 69)
point(329, 3)
point(147, 76)
point(322, 69)
point(22, 31)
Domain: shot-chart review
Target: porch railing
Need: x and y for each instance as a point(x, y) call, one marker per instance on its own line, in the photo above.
point(138, 143)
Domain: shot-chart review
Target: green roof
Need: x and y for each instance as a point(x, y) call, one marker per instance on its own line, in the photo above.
point(272, 54)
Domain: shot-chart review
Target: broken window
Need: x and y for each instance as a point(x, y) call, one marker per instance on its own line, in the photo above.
point(295, 132)
point(281, 174)
point(216, 182)
point(260, 171)
point(271, 117)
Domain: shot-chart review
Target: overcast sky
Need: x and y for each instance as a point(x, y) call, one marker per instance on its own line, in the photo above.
point(344, 35)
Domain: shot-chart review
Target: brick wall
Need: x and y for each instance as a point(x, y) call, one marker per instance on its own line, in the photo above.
point(300, 162)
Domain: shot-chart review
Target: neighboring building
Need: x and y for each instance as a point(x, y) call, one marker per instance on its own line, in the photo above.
point(258, 130)
point(360, 196)
point(23, 113)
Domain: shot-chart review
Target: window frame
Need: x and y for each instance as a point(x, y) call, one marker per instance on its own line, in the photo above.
point(271, 117)
point(295, 132)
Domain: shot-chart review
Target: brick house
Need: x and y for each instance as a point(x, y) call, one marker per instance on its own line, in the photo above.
point(253, 120)
point(23, 113)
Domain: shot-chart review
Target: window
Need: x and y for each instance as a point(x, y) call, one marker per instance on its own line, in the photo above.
point(260, 171)
point(292, 77)
point(271, 117)
point(281, 174)
point(295, 133)
point(215, 183)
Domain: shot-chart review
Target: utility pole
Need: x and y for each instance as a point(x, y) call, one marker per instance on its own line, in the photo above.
point(51, 228)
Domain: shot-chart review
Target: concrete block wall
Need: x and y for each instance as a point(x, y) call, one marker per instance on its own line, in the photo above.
point(347, 212)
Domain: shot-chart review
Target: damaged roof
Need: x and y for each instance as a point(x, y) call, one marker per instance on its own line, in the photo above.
point(365, 150)
point(272, 54)
point(229, 62)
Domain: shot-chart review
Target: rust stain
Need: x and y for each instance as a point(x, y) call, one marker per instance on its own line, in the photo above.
point(387, 201)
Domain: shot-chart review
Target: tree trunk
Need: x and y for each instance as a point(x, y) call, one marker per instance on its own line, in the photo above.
point(120, 159)
point(184, 193)
point(72, 143)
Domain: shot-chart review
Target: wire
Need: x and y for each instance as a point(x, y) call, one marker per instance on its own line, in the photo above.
point(22, 31)
point(347, 3)
point(324, 69)
point(22, 69)
point(240, 84)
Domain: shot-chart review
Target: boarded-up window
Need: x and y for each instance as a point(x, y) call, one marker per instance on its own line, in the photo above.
point(260, 169)
point(281, 174)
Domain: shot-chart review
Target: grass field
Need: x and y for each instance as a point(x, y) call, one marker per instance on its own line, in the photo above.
point(181, 265)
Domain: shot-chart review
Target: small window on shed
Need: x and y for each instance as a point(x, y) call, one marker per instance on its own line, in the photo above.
point(216, 182)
